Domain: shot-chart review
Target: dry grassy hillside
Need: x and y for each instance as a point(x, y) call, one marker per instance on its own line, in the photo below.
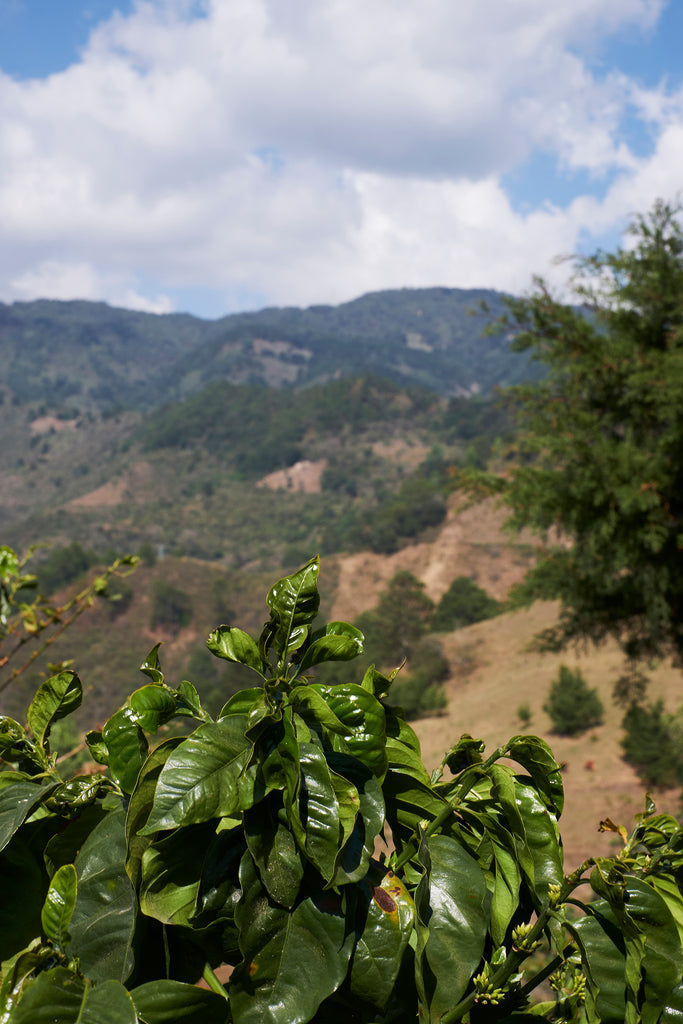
point(598, 783)
point(493, 672)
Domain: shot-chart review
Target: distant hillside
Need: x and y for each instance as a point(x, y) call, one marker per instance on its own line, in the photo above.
point(88, 356)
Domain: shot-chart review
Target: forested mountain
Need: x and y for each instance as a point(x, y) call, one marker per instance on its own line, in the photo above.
point(226, 450)
point(89, 356)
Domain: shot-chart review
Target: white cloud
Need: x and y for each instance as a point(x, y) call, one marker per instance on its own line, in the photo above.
point(53, 279)
point(310, 150)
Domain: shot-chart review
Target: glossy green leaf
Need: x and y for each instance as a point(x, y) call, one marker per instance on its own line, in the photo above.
point(274, 849)
point(199, 779)
point(294, 603)
point(59, 906)
point(17, 801)
point(667, 887)
point(171, 870)
point(140, 806)
point(409, 805)
point(151, 666)
point(376, 683)
point(97, 747)
point(603, 956)
point(450, 907)
point(56, 698)
point(78, 793)
point(293, 959)
point(103, 922)
point(536, 756)
point(363, 721)
point(59, 996)
point(542, 837)
point(406, 758)
point(163, 1002)
point(387, 915)
point(244, 702)
point(662, 964)
point(318, 810)
point(188, 698)
point(153, 705)
point(354, 857)
point(277, 753)
point(337, 642)
point(235, 645)
point(399, 731)
point(507, 880)
point(126, 747)
point(63, 847)
point(348, 801)
point(673, 1011)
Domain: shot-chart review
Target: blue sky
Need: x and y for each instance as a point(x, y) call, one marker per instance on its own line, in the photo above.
point(217, 155)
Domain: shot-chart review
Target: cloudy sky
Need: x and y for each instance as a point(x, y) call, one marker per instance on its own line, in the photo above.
point(218, 155)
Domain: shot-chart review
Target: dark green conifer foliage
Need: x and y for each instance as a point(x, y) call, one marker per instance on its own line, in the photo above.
point(572, 706)
point(652, 745)
point(603, 439)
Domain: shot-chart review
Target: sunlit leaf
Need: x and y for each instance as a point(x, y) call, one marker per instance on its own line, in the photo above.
point(318, 810)
point(151, 666)
point(126, 747)
point(153, 706)
point(59, 906)
point(338, 642)
point(294, 603)
point(56, 698)
point(536, 756)
point(235, 645)
point(363, 721)
point(200, 779)
point(17, 801)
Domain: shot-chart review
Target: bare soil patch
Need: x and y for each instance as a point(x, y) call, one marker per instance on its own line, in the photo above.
point(44, 424)
point(129, 487)
point(302, 476)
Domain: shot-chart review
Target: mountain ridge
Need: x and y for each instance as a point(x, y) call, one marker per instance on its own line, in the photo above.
point(93, 356)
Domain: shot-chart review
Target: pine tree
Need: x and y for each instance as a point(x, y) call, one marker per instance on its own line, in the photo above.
point(601, 473)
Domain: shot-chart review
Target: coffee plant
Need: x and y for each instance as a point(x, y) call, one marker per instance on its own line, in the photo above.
point(297, 842)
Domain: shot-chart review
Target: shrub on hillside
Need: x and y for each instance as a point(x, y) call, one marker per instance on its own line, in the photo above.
point(463, 604)
point(572, 706)
point(400, 619)
point(63, 565)
point(419, 692)
point(171, 607)
point(651, 743)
